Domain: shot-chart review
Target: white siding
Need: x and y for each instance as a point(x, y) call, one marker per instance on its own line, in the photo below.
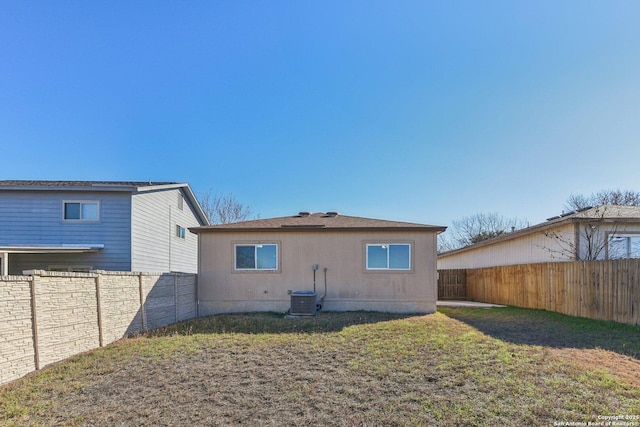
point(531, 248)
point(600, 240)
point(155, 246)
point(536, 247)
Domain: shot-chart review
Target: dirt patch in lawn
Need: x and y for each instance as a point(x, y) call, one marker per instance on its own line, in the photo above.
point(337, 369)
point(624, 367)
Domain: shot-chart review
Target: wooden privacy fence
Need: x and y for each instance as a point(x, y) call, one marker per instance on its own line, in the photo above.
point(602, 290)
point(452, 284)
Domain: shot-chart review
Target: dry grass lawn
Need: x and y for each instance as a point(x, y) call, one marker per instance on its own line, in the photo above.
point(506, 366)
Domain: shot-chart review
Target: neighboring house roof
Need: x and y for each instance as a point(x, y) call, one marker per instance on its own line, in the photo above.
point(125, 186)
point(83, 184)
point(603, 213)
point(329, 221)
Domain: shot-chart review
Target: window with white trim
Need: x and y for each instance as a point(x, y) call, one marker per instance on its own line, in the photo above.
point(81, 210)
point(624, 246)
point(388, 256)
point(180, 232)
point(262, 256)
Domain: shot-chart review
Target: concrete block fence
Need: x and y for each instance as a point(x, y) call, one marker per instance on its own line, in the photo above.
point(48, 316)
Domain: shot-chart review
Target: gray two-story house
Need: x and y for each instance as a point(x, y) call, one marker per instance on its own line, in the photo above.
point(98, 225)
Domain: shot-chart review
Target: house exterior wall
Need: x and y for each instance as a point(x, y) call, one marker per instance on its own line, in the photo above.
point(600, 239)
point(155, 246)
point(35, 218)
point(530, 248)
point(349, 285)
point(537, 247)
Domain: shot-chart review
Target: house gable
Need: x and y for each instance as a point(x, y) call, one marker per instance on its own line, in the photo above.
point(160, 238)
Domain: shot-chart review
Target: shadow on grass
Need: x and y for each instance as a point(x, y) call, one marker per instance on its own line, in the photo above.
point(275, 323)
point(544, 328)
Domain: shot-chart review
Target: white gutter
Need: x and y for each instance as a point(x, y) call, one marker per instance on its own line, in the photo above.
point(48, 249)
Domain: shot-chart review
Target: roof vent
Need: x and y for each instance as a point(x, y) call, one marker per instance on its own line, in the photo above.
point(304, 214)
point(332, 214)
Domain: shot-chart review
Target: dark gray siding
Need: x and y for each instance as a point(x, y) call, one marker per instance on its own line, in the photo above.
point(35, 218)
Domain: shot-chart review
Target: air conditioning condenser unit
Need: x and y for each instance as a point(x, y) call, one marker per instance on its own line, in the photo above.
point(303, 303)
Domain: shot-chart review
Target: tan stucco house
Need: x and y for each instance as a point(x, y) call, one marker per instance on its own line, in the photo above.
point(367, 264)
point(598, 233)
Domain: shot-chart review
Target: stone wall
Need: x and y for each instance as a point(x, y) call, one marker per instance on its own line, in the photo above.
point(16, 332)
point(46, 316)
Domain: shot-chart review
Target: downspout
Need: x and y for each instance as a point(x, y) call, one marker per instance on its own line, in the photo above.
point(171, 231)
point(198, 269)
point(576, 239)
point(4, 268)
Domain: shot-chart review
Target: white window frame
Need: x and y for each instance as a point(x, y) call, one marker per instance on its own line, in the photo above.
point(180, 232)
point(81, 202)
point(387, 268)
point(256, 246)
point(627, 236)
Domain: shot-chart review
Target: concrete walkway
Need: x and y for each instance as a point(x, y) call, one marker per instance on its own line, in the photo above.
point(466, 304)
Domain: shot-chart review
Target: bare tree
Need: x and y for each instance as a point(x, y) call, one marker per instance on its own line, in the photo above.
point(589, 239)
point(445, 244)
point(223, 209)
point(477, 228)
point(605, 197)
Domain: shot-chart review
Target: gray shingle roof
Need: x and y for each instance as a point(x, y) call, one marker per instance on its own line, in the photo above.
point(317, 222)
point(609, 212)
point(43, 183)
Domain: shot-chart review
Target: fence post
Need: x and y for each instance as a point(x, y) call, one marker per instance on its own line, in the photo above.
point(142, 313)
point(99, 309)
point(195, 283)
point(34, 323)
point(175, 295)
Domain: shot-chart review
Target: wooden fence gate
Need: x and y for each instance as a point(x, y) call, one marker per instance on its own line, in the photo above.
point(452, 284)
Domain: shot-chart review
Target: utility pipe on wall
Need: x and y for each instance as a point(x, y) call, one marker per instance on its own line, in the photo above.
point(319, 305)
point(315, 268)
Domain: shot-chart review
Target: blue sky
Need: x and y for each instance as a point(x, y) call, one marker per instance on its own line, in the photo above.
point(417, 111)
